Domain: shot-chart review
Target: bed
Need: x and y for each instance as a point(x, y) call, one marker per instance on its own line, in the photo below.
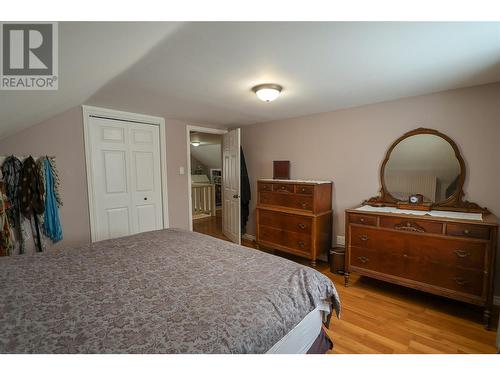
point(167, 291)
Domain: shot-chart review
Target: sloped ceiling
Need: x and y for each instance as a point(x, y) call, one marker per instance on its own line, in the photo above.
point(209, 152)
point(208, 155)
point(204, 72)
point(90, 55)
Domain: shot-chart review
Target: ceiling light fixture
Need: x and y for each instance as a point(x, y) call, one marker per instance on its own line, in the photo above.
point(195, 143)
point(267, 92)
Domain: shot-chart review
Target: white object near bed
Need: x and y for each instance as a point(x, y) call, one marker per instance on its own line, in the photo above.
point(300, 339)
point(202, 196)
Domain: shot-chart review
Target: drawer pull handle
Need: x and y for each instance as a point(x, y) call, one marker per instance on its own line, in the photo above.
point(462, 253)
point(466, 231)
point(363, 259)
point(362, 220)
point(303, 190)
point(301, 244)
point(405, 255)
point(303, 204)
point(364, 237)
point(301, 226)
point(460, 281)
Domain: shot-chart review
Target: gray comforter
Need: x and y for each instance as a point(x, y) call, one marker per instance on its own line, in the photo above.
point(168, 291)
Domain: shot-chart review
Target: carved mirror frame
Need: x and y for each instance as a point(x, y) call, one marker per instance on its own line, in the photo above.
point(453, 203)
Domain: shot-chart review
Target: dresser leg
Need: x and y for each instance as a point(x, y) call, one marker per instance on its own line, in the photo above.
point(487, 318)
point(346, 279)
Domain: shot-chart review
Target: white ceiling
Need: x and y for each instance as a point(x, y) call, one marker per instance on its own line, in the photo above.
point(204, 72)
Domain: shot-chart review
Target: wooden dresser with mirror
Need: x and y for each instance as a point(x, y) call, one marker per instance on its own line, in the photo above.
point(443, 245)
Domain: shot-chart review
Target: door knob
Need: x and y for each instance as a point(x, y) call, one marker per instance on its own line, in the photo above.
point(236, 196)
point(145, 198)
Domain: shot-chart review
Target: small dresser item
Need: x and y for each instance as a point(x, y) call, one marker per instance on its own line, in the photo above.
point(448, 250)
point(337, 260)
point(295, 216)
point(281, 169)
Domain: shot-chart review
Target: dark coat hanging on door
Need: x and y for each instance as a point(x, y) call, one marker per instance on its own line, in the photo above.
point(245, 192)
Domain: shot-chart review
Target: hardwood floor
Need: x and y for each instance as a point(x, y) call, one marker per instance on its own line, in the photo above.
point(378, 317)
point(211, 225)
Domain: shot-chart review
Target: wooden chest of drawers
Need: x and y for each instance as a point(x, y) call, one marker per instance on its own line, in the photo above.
point(295, 217)
point(452, 258)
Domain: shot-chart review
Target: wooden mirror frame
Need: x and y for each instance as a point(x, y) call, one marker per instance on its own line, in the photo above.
point(453, 203)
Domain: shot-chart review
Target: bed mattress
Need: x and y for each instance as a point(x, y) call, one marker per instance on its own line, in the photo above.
point(168, 291)
point(300, 339)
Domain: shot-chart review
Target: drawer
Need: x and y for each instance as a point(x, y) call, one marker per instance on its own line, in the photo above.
point(468, 230)
point(363, 219)
point(297, 241)
point(414, 226)
point(372, 238)
point(285, 200)
point(304, 189)
point(364, 258)
point(265, 186)
point(453, 278)
point(288, 222)
point(448, 251)
point(283, 188)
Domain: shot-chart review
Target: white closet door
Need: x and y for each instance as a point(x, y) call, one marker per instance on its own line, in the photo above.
point(146, 177)
point(125, 159)
point(231, 219)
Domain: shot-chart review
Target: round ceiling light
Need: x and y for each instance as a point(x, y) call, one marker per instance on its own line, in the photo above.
point(195, 143)
point(267, 92)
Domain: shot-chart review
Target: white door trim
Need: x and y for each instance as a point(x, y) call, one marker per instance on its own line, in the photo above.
point(88, 111)
point(189, 129)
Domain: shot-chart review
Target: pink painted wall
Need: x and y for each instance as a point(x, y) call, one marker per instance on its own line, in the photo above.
point(348, 146)
point(62, 136)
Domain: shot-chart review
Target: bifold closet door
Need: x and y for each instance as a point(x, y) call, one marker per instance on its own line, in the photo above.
point(126, 177)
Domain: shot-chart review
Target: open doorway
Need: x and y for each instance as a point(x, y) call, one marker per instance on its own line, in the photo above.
point(214, 170)
point(205, 167)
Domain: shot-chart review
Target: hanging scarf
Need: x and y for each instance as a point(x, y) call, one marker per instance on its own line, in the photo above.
point(31, 198)
point(6, 235)
point(11, 170)
point(52, 224)
point(57, 180)
point(32, 190)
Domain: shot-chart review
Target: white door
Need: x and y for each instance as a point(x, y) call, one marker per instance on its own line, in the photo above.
point(231, 219)
point(125, 159)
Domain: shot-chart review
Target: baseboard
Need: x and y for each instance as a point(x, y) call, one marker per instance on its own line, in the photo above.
point(248, 237)
point(496, 301)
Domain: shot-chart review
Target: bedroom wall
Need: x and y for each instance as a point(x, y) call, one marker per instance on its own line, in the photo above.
point(348, 146)
point(62, 136)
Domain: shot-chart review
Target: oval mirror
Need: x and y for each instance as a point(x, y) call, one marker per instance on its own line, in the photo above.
point(423, 164)
point(427, 162)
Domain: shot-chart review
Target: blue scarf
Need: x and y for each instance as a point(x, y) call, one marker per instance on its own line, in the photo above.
point(52, 223)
